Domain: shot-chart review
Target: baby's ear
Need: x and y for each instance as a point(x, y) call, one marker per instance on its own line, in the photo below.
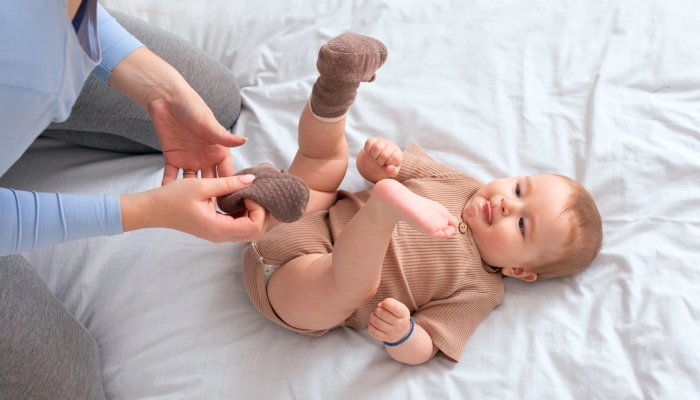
point(520, 273)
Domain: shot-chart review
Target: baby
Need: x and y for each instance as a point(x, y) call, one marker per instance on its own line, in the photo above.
point(418, 260)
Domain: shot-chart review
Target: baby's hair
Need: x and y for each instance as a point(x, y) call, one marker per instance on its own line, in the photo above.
point(585, 235)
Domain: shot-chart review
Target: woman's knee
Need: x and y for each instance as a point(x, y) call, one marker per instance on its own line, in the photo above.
point(212, 80)
point(45, 353)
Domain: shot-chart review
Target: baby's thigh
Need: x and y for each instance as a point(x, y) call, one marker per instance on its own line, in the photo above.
point(302, 293)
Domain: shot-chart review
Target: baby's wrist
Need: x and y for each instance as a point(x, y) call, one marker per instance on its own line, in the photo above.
point(405, 338)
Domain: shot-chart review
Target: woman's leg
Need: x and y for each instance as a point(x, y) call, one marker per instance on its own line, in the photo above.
point(317, 292)
point(104, 118)
point(45, 353)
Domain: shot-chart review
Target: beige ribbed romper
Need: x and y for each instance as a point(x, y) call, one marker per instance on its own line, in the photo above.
point(444, 283)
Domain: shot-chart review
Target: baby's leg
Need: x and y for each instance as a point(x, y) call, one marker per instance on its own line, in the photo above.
point(322, 158)
point(320, 291)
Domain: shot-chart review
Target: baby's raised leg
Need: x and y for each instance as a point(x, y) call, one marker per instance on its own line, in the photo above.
point(320, 291)
point(322, 158)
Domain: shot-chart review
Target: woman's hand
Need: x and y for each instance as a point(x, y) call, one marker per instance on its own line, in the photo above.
point(191, 138)
point(379, 159)
point(189, 134)
point(189, 205)
point(390, 321)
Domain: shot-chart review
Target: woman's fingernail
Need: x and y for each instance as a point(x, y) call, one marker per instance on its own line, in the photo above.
point(241, 137)
point(246, 179)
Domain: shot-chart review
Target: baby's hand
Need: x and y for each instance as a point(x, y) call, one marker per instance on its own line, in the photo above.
point(390, 321)
point(383, 156)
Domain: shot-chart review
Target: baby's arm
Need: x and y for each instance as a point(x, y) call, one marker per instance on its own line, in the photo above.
point(379, 159)
point(391, 322)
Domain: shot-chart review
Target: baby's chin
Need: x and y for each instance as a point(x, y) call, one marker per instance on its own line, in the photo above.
point(470, 213)
point(474, 217)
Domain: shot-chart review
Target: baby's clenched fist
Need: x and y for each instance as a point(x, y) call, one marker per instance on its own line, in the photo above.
point(390, 321)
point(383, 155)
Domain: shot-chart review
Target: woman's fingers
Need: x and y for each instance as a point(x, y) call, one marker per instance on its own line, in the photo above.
point(209, 172)
point(258, 216)
point(218, 134)
point(170, 173)
point(189, 206)
point(225, 167)
point(248, 227)
point(223, 186)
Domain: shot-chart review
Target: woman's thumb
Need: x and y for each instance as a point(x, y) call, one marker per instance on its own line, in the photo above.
point(219, 135)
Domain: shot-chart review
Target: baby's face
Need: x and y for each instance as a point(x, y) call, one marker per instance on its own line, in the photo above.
point(516, 221)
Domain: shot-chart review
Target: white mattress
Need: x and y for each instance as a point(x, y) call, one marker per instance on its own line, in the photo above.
point(607, 93)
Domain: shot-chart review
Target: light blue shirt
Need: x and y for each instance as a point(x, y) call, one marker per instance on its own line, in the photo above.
point(44, 63)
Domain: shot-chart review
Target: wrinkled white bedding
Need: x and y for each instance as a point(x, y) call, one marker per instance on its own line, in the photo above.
point(605, 92)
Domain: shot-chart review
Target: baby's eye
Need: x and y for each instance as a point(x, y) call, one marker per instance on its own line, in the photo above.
point(517, 190)
point(521, 225)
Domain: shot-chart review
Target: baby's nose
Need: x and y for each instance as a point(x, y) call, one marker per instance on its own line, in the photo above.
point(505, 207)
point(508, 206)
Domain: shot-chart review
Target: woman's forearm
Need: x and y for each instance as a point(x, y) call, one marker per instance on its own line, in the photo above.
point(31, 220)
point(144, 77)
point(136, 211)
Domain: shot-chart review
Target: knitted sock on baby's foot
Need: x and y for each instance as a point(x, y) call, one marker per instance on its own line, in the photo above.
point(285, 196)
point(343, 63)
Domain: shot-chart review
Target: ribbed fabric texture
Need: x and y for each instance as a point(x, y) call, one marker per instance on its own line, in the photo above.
point(445, 285)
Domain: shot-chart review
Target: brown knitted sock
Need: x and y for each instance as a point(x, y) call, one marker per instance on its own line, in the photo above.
point(284, 196)
point(343, 63)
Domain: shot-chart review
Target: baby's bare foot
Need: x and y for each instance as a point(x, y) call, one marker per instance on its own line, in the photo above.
point(428, 217)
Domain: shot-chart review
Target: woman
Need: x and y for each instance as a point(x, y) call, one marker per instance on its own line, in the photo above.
point(48, 52)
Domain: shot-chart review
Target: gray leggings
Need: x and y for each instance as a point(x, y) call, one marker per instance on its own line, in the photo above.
point(106, 119)
point(45, 353)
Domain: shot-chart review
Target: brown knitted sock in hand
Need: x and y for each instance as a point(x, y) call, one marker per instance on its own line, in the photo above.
point(284, 196)
point(343, 63)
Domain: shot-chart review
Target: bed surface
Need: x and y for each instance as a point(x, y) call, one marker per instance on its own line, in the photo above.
point(607, 93)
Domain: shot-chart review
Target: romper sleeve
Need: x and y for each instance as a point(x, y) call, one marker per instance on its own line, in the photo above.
point(417, 164)
point(451, 321)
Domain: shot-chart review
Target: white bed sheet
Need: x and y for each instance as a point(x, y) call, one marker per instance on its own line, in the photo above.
point(605, 92)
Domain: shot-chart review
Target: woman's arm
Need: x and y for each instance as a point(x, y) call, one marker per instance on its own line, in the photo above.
point(191, 137)
point(30, 220)
point(189, 205)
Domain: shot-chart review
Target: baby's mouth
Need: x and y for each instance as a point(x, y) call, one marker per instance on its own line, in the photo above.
point(487, 211)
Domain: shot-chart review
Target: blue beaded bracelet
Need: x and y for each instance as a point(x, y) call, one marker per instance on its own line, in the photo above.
point(413, 325)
